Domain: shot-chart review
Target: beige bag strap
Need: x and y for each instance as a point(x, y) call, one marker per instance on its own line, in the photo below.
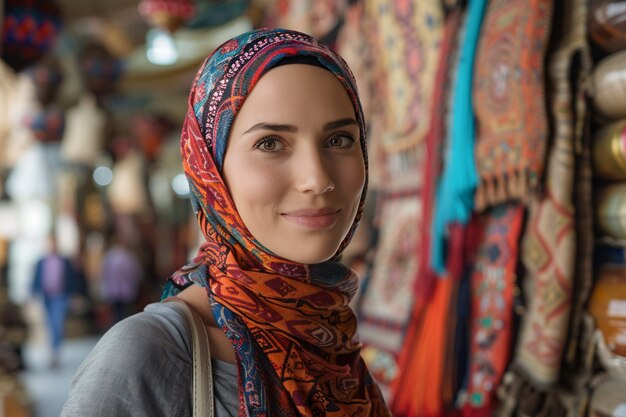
point(202, 394)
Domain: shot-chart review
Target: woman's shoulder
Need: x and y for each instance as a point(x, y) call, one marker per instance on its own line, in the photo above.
point(159, 332)
point(132, 360)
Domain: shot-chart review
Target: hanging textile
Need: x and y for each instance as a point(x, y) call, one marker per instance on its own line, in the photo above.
point(493, 283)
point(510, 100)
point(406, 39)
point(459, 178)
point(432, 166)
point(386, 303)
point(419, 392)
point(431, 298)
point(549, 244)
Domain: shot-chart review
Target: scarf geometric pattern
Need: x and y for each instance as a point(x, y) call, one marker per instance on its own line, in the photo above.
point(293, 331)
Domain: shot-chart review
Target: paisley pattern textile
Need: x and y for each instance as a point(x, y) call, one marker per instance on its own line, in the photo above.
point(294, 334)
point(510, 99)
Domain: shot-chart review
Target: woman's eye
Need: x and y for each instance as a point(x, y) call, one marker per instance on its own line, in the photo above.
point(269, 145)
point(341, 141)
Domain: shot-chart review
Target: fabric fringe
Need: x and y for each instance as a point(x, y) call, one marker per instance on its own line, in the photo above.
point(493, 191)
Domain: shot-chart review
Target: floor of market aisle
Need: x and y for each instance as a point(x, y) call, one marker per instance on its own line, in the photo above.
point(48, 387)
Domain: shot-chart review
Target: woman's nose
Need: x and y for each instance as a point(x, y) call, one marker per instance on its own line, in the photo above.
point(313, 174)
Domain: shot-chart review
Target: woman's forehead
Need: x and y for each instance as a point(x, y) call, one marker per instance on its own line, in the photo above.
point(301, 92)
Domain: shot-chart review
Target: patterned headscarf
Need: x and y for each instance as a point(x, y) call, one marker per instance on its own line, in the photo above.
point(293, 332)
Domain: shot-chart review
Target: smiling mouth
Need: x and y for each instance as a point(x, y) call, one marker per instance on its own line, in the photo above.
point(313, 219)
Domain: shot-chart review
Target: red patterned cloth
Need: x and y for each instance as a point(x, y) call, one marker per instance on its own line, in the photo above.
point(493, 282)
point(509, 100)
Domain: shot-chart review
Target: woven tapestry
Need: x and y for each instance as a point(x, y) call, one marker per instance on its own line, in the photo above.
point(405, 37)
point(509, 100)
point(549, 249)
point(493, 283)
point(423, 386)
point(550, 252)
point(388, 298)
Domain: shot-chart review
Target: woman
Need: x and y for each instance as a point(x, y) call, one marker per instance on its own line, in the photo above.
point(274, 150)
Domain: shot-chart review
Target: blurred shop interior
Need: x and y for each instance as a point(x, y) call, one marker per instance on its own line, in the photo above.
point(492, 253)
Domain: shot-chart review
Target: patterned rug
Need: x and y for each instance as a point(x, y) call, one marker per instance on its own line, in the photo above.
point(510, 100)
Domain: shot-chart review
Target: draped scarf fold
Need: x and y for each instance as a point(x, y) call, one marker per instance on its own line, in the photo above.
point(294, 334)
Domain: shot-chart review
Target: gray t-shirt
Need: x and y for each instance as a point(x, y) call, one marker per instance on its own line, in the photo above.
point(142, 367)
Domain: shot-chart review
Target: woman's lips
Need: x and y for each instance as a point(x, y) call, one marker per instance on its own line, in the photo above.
point(313, 218)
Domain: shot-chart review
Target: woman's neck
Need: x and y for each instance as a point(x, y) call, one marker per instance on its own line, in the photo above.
point(221, 347)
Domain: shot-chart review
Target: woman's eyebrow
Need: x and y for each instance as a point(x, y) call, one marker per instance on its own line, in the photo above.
point(272, 126)
point(340, 123)
point(291, 128)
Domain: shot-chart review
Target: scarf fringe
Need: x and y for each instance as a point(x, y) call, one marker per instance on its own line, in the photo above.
point(516, 186)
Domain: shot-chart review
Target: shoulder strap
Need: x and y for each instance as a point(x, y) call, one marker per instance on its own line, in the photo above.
point(202, 391)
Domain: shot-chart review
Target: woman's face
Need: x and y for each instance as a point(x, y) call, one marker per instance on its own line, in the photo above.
point(293, 163)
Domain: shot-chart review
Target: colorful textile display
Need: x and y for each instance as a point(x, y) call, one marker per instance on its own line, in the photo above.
point(549, 243)
point(421, 392)
point(29, 30)
point(510, 100)
point(493, 282)
point(353, 46)
point(407, 38)
point(433, 156)
point(386, 305)
point(294, 334)
point(459, 178)
point(421, 379)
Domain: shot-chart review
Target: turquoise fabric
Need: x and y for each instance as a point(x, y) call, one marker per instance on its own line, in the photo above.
point(455, 192)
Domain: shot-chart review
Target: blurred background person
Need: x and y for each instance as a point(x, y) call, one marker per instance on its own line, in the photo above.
point(122, 274)
point(54, 281)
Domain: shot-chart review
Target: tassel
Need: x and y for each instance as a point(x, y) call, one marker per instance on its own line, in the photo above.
point(501, 189)
point(511, 183)
point(523, 190)
point(479, 199)
point(491, 192)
